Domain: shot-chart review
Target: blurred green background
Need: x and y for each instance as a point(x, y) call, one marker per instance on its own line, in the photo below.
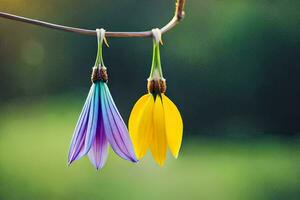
point(232, 68)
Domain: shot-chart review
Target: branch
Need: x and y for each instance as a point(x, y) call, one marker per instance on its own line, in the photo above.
point(179, 15)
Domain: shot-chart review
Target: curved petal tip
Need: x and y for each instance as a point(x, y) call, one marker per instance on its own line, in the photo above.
point(174, 125)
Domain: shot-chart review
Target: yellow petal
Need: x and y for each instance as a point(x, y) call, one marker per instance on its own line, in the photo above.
point(140, 124)
point(135, 114)
point(174, 125)
point(159, 143)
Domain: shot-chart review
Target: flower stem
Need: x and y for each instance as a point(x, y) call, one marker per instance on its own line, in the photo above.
point(156, 63)
point(99, 58)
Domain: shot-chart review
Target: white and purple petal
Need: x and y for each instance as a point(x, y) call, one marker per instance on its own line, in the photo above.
point(114, 126)
point(77, 142)
point(99, 150)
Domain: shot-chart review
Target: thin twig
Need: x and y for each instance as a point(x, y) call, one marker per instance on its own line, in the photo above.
point(179, 15)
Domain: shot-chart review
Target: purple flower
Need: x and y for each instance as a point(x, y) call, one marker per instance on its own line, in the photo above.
point(100, 125)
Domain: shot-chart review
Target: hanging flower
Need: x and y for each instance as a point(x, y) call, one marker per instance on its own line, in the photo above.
point(100, 123)
point(155, 121)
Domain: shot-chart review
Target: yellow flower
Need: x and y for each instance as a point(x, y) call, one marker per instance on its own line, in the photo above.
point(155, 122)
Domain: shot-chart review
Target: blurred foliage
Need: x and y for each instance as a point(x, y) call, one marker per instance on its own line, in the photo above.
point(229, 64)
point(33, 149)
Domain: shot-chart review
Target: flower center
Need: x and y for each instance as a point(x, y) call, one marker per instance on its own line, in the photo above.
point(157, 86)
point(99, 74)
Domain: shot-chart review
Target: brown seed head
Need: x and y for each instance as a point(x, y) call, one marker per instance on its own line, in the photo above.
point(157, 86)
point(99, 74)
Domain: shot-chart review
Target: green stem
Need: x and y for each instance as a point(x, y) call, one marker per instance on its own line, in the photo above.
point(99, 58)
point(158, 60)
point(156, 63)
point(153, 60)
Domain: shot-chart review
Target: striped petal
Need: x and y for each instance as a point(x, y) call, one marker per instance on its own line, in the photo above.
point(141, 124)
point(99, 150)
point(77, 142)
point(174, 125)
point(93, 119)
point(159, 143)
point(114, 126)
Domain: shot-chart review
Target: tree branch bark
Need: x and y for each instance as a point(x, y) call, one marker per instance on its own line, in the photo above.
point(179, 15)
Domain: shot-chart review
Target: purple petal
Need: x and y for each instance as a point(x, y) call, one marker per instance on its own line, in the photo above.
point(76, 147)
point(114, 126)
point(93, 119)
point(99, 150)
